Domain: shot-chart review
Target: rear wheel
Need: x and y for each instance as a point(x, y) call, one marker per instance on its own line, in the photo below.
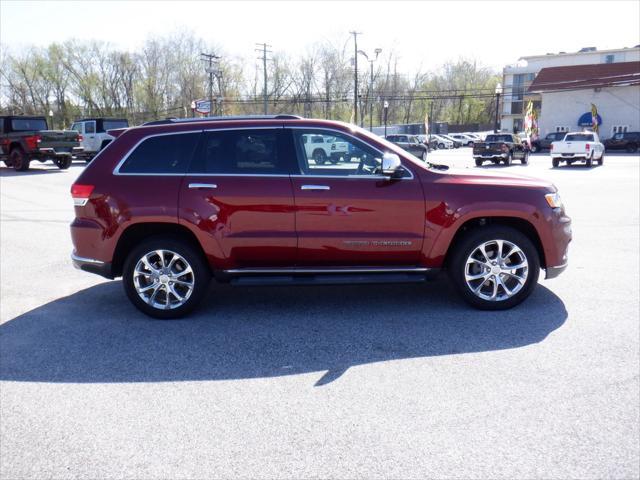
point(534, 148)
point(441, 145)
point(319, 157)
point(509, 159)
point(165, 277)
point(424, 155)
point(62, 163)
point(478, 162)
point(555, 162)
point(525, 158)
point(601, 159)
point(632, 147)
point(19, 160)
point(495, 268)
point(589, 161)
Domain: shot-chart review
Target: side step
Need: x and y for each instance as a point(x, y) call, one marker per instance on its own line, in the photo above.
point(328, 276)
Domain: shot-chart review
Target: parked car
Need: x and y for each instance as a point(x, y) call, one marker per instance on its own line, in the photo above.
point(411, 144)
point(456, 143)
point(168, 206)
point(545, 143)
point(94, 133)
point(443, 142)
point(578, 147)
point(429, 141)
point(23, 139)
point(628, 141)
point(463, 139)
point(324, 149)
point(498, 147)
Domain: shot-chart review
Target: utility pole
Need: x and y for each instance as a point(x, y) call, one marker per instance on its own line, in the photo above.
point(264, 51)
point(211, 58)
point(355, 84)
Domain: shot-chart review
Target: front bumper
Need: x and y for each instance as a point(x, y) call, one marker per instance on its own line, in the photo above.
point(553, 272)
point(92, 265)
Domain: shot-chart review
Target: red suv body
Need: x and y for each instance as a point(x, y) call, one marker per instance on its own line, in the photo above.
point(243, 200)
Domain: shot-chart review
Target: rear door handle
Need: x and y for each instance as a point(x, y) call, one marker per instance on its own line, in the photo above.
point(209, 186)
point(315, 187)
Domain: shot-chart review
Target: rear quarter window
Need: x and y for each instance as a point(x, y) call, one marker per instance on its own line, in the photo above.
point(163, 154)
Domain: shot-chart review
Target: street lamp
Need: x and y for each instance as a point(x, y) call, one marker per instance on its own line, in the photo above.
point(377, 51)
point(498, 93)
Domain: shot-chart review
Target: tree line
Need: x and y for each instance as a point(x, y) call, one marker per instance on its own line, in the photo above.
point(77, 79)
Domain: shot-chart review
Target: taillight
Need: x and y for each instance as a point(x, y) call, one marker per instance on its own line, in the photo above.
point(551, 148)
point(32, 141)
point(587, 147)
point(81, 193)
point(80, 138)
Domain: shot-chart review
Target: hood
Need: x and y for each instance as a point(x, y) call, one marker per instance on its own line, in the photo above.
point(487, 177)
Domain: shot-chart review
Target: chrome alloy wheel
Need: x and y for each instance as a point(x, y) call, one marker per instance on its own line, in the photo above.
point(496, 270)
point(163, 279)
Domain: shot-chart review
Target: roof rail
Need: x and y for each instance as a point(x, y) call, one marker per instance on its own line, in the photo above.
point(222, 119)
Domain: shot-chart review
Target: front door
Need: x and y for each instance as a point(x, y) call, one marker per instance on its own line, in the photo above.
point(238, 195)
point(348, 214)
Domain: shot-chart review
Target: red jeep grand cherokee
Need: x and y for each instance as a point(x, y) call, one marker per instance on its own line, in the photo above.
point(170, 204)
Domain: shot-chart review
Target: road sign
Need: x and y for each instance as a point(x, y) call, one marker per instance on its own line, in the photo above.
point(202, 106)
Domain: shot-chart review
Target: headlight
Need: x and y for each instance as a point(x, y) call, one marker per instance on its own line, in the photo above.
point(554, 200)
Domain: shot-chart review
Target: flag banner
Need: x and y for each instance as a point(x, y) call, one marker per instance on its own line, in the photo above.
point(426, 124)
point(531, 123)
point(594, 118)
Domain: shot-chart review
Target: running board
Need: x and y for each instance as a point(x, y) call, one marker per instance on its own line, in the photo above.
point(328, 276)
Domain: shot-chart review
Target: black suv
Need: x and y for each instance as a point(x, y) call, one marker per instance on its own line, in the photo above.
point(411, 144)
point(628, 141)
point(545, 143)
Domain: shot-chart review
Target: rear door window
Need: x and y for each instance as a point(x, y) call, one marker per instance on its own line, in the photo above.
point(162, 154)
point(244, 152)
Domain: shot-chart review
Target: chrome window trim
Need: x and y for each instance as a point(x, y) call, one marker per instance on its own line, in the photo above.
point(329, 129)
point(116, 170)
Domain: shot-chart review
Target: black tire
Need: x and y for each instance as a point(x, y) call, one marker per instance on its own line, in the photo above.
point(469, 243)
point(632, 148)
point(319, 157)
point(509, 160)
point(194, 258)
point(478, 162)
point(424, 155)
point(555, 162)
point(601, 159)
point(19, 160)
point(62, 163)
point(525, 158)
point(589, 161)
point(534, 148)
point(441, 145)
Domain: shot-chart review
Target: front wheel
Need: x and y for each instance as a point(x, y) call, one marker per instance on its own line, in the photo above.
point(319, 157)
point(534, 148)
point(495, 268)
point(165, 277)
point(62, 163)
point(424, 155)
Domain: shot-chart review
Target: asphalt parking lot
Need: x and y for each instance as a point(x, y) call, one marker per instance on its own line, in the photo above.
point(400, 381)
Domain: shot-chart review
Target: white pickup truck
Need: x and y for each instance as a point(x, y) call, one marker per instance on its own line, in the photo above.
point(578, 147)
point(94, 134)
point(325, 148)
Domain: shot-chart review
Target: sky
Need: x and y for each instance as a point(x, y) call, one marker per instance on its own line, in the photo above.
point(424, 34)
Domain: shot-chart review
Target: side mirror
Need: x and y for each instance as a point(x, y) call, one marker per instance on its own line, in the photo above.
point(391, 164)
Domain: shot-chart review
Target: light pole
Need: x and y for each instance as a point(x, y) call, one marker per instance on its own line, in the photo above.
point(498, 93)
point(370, 103)
point(386, 109)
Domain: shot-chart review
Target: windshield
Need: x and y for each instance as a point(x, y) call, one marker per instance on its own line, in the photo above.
point(498, 138)
point(113, 124)
point(579, 137)
point(27, 124)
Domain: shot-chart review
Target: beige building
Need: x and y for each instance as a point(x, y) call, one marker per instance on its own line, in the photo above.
point(518, 78)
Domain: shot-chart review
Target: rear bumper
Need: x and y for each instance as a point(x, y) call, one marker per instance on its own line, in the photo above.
point(91, 265)
point(490, 155)
point(59, 153)
point(569, 156)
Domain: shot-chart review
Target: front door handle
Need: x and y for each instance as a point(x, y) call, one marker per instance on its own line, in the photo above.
point(315, 187)
point(209, 186)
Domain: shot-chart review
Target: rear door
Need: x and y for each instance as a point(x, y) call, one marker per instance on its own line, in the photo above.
point(348, 214)
point(90, 136)
point(237, 194)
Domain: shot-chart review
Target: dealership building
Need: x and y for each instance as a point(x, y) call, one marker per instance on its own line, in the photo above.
point(564, 86)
